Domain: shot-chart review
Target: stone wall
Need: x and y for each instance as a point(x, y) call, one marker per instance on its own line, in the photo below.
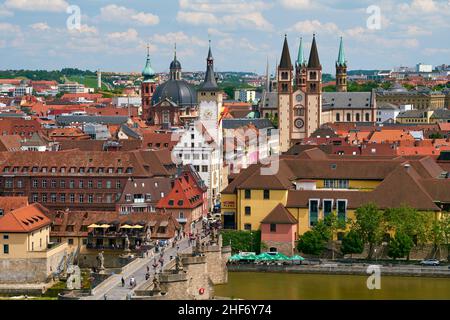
point(198, 278)
point(38, 268)
point(282, 247)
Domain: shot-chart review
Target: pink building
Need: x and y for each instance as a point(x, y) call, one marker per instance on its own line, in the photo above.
point(279, 230)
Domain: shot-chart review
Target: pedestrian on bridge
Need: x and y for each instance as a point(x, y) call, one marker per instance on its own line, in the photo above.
point(123, 282)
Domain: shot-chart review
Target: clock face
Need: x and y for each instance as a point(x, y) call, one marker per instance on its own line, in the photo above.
point(299, 123)
point(299, 97)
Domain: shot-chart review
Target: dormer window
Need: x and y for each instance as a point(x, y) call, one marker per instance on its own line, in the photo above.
point(129, 170)
point(35, 169)
point(110, 170)
point(53, 170)
point(63, 170)
point(72, 170)
point(6, 169)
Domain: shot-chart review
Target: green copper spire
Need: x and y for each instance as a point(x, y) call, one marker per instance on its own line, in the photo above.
point(341, 58)
point(148, 71)
point(301, 57)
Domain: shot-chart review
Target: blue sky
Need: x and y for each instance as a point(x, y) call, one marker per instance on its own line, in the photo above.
point(244, 33)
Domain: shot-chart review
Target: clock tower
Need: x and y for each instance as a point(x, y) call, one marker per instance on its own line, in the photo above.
point(148, 87)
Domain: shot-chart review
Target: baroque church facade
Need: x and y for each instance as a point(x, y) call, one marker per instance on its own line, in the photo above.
point(297, 102)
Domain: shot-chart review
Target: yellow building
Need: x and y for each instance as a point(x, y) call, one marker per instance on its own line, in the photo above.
point(313, 185)
point(415, 116)
point(26, 254)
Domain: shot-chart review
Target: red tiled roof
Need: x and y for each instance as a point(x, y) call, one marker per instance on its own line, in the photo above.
point(8, 204)
point(25, 219)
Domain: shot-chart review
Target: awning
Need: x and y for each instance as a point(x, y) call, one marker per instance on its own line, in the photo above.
point(297, 257)
point(105, 226)
point(94, 226)
point(137, 227)
point(126, 226)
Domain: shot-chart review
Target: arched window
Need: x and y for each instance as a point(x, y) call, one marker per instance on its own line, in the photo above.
point(357, 117)
point(367, 117)
point(349, 117)
point(338, 117)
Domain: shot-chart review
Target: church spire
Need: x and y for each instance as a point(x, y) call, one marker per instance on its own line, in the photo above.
point(148, 71)
point(285, 62)
point(267, 76)
point(301, 57)
point(175, 66)
point(341, 57)
point(314, 61)
point(210, 83)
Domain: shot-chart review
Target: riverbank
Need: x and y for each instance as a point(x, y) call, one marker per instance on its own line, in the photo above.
point(343, 269)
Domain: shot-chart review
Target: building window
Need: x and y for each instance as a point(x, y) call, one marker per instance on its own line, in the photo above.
point(108, 184)
point(368, 117)
point(204, 168)
point(35, 183)
point(248, 226)
point(248, 211)
point(90, 184)
point(20, 184)
point(62, 197)
point(273, 227)
point(357, 117)
point(81, 184)
point(342, 209)
point(70, 242)
point(91, 198)
point(71, 184)
point(6, 248)
point(72, 198)
point(99, 185)
point(118, 185)
point(44, 198)
point(81, 198)
point(248, 194)
point(8, 184)
point(5, 237)
point(204, 156)
point(34, 197)
point(327, 208)
point(44, 184)
point(53, 184)
point(53, 197)
point(349, 117)
point(313, 212)
point(62, 184)
point(266, 194)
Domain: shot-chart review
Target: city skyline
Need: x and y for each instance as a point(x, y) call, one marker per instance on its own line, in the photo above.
point(244, 34)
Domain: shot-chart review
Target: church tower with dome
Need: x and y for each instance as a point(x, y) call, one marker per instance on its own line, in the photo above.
point(148, 86)
point(174, 102)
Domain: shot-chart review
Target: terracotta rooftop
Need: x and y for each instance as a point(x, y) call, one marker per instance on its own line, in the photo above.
point(8, 204)
point(25, 219)
point(279, 215)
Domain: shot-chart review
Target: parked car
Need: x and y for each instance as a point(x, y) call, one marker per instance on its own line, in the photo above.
point(429, 262)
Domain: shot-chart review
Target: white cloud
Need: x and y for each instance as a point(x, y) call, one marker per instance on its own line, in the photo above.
point(131, 35)
point(433, 51)
point(215, 32)
point(297, 4)
point(252, 20)
point(178, 37)
point(117, 13)
point(230, 14)
point(38, 5)
point(416, 31)
point(4, 12)
point(197, 18)
point(224, 6)
point(84, 28)
point(10, 35)
point(314, 26)
point(40, 26)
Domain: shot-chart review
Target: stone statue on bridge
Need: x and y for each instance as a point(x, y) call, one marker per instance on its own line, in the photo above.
point(156, 284)
point(100, 261)
point(178, 264)
point(74, 278)
point(127, 244)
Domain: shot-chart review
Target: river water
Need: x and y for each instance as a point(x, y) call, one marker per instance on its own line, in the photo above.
point(286, 286)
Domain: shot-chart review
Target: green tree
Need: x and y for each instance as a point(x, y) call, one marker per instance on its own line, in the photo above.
point(243, 240)
point(311, 242)
point(370, 225)
point(400, 246)
point(444, 227)
point(352, 243)
point(413, 223)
